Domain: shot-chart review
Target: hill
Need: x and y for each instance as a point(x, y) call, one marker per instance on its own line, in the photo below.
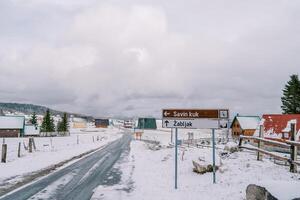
point(28, 109)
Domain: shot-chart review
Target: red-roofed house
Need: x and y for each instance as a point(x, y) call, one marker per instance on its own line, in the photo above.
point(277, 126)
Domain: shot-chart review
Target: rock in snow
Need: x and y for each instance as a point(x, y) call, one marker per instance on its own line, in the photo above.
point(202, 169)
point(231, 147)
point(255, 192)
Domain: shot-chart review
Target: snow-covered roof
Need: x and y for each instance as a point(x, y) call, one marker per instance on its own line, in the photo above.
point(248, 122)
point(11, 122)
point(78, 119)
point(31, 130)
point(279, 123)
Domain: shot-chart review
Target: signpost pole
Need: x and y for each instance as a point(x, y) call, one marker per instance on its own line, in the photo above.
point(176, 150)
point(171, 135)
point(227, 134)
point(214, 156)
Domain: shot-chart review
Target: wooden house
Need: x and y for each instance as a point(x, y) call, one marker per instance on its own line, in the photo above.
point(244, 125)
point(12, 126)
point(101, 123)
point(77, 122)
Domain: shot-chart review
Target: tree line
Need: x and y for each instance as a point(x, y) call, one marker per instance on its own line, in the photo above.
point(48, 123)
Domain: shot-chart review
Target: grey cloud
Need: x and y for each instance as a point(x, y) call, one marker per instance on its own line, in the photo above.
point(130, 58)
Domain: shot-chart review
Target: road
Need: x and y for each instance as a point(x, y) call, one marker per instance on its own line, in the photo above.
point(78, 180)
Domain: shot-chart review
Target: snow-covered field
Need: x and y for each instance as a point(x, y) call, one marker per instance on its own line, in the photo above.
point(149, 174)
point(51, 150)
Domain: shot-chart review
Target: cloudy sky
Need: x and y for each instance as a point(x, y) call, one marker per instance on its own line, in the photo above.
point(135, 57)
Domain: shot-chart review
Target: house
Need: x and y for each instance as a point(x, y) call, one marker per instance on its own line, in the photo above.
point(146, 123)
point(31, 130)
point(12, 126)
point(101, 123)
point(77, 122)
point(128, 124)
point(244, 125)
point(277, 126)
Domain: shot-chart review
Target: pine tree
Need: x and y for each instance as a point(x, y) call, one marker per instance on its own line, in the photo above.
point(33, 119)
point(52, 125)
point(291, 96)
point(48, 123)
point(63, 125)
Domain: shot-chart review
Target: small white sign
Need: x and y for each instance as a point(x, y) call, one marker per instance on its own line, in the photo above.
point(190, 123)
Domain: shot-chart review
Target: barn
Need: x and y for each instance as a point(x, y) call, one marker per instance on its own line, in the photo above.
point(101, 123)
point(244, 125)
point(276, 126)
point(146, 123)
point(12, 126)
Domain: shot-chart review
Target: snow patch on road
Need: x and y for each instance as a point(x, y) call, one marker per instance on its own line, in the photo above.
point(50, 190)
point(126, 167)
point(92, 169)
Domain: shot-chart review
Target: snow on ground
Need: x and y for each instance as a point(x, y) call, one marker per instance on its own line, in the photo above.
point(149, 174)
point(51, 150)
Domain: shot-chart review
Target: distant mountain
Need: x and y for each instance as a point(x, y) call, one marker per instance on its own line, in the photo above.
point(28, 109)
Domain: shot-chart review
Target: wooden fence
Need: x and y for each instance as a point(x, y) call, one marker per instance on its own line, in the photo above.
point(261, 141)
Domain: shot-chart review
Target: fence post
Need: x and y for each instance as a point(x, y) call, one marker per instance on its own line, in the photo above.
point(4, 152)
point(260, 143)
point(93, 139)
point(240, 142)
point(33, 142)
point(293, 166)
point(19, 150)
point(30, 145)
point(77, 139)
point(51, 143)
point(25, 147)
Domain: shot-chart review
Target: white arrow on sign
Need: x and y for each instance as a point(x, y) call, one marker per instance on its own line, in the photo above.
point(166, 113)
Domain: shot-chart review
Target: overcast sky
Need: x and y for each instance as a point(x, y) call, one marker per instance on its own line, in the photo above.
point(135, 57)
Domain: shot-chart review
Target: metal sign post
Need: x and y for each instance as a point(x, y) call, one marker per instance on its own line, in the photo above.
point(214, 156)
point(176, 152)
point(171, 135)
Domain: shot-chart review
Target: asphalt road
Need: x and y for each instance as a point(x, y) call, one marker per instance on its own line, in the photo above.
point(78, 180)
